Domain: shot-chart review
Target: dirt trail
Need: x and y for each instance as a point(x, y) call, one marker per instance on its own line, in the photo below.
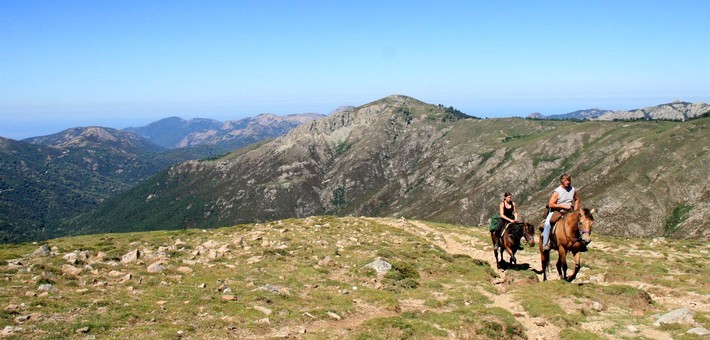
point(454, 243)
point(538, 327)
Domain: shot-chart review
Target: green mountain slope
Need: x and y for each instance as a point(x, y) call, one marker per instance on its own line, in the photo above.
point(401, 157)
point(62, 175)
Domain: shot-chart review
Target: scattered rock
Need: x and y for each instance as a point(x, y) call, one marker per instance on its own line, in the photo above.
point(115, 273)
point(229, 297)
point(82, 330)
point(263, 310)
point(9, 330)
point(71, 258)
point(334, 316)
point(22, 318)
point(681, 315)
point(326, 261)
point(264, 320)
point(597, 306)
point(185, 270)
point(541, 323)
point(380, 266)
point(47, 287)
point(156, 267)
point(202, 285)
point(273, 289)
point(68, 269)
point(211, 244)
point(131, 256)
point(44, 250)
point(632, 329)
point(699, 331)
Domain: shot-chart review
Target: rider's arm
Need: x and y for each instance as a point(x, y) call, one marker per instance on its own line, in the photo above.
point(501, 212)
point(515, 211)
point(552, 203)
point(576, 201)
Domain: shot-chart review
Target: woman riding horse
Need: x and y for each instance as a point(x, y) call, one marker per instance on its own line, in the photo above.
point(509, 240)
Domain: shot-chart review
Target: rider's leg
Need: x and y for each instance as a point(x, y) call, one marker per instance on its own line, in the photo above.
point(546, 231)
point(496, 233)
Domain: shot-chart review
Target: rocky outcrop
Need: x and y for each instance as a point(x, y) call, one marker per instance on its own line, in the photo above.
point(680, 111)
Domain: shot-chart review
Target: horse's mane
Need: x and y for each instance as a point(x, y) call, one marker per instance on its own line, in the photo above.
point(588, 214)
point(516, 229)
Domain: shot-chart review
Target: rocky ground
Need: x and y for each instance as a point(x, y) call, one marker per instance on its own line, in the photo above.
point(326, 277)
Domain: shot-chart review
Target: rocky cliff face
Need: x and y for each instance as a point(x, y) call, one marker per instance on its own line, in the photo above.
point(401, 157)
point(673, 111)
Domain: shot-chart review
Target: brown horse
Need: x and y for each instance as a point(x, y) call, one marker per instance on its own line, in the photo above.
point(510, 240)
point(572, 233)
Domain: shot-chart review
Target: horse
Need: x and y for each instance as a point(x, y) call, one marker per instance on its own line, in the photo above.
point(509, 240)
point(572, 233)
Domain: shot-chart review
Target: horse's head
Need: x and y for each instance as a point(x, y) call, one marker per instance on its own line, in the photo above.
point(529, 232)
point(586, 220)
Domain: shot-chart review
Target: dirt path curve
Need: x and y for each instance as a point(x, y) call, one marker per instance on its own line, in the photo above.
point(455, 243)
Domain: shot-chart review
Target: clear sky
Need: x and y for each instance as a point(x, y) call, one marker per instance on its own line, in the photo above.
point(128, 62)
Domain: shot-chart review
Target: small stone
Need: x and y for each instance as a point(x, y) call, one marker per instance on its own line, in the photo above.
point(263, 310)
point(115, 273)
point(699, 331)
point(228, 297)
point(632, 329)
point(161, 302)
point(541, 323)
point(156, 267)
point(44, 250)
point(9, 330)
point(334, 316)
point(82, 330)
point(22, 318)
point(264, 320)
point(202, 285)
point(681, 315)
point(185, 270)
point(131, 256)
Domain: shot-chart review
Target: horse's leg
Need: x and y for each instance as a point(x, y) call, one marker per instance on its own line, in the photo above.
point(509, 250)
point(495, 252)
point(577, 266)
point(544, 256)
point(562, 262)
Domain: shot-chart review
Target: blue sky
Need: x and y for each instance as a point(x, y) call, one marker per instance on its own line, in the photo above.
point(128, 63)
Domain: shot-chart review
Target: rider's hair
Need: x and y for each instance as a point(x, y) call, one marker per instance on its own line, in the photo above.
point(506, 194)
point(565, 176)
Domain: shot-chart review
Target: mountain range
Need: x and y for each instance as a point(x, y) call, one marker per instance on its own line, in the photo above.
point(676, 111)
point(175, 132)
point(399, 156)
point(45, 180)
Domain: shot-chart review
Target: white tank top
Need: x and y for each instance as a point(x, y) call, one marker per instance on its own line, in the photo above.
point(565, 196)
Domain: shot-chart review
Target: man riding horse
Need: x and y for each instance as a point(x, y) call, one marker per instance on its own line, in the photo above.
point(563, 199)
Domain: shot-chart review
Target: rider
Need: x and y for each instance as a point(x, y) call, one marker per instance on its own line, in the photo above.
point(508, 214)
point(563, 199)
